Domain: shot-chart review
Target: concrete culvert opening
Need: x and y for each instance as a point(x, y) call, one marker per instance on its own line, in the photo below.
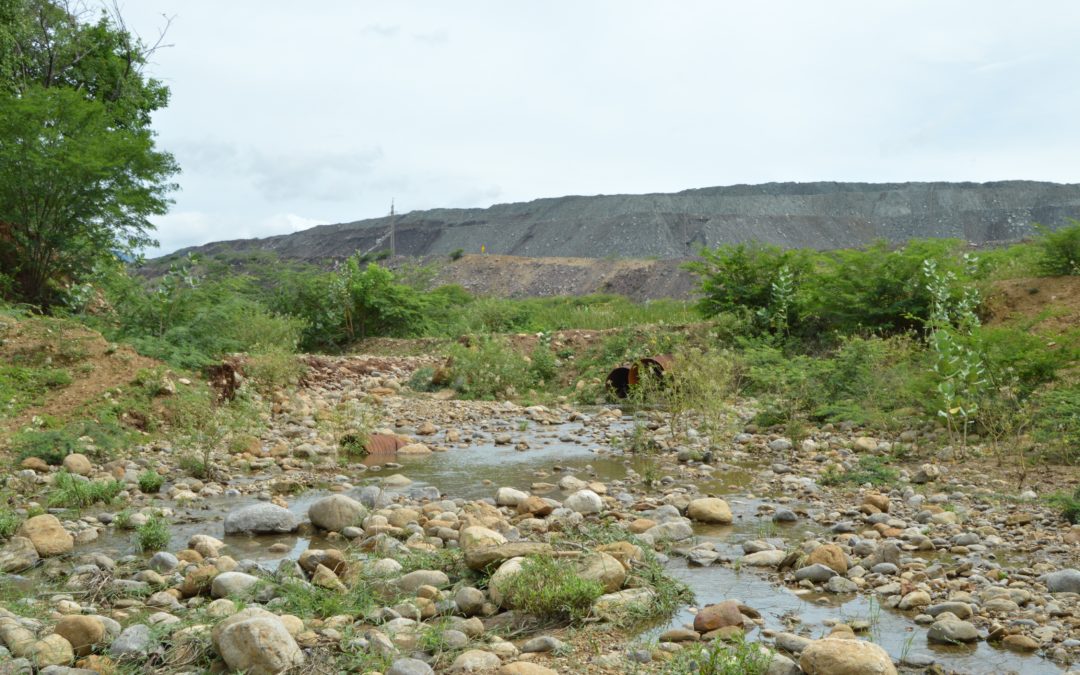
point(618, 381)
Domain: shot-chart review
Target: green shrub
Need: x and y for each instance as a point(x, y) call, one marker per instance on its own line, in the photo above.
point(870, 469)
point(1059, 250)
point(546, 588)
point(9, 522)
point(421, 379)
point(150, 481)
point(274, 368)
point(542, 364)
point(48, 445)
point(73, 492)
point(1057, 423)
point(457, 253)
point(1068, 505)
point(488, 369)
point(153, 535)
point(719, 658)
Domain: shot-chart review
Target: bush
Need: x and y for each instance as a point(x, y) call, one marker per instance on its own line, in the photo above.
point(1059, 250)
point(74, 492)
point(870, 469)
point(457, 253)
point(1057, 423)
point(9, 522)
point(488, 369)
point(153, 535)
point(150, 481)
point(1069, 505)
point(274, 368)
point(48, 445)
point(547, 589)
point(720, 658)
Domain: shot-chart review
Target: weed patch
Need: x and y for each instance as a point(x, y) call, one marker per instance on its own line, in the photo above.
point(548, 590)
point(74, 492)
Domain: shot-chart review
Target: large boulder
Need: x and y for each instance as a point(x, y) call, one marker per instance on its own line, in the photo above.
point(256, 642)
point(838, 656)
point(261, 518)
point(480, 558)
point(51, 650)
point(508, 496)
point(710, 510)
point(336, 512)
point(48, 535)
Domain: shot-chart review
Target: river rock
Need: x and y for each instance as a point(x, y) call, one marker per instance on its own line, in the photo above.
point(336, 512)
point(414, 580)
point(839, 656)
point(584, 501)
point(261, 518)
point(47, 534)
point(604, 569)
point(256, 642)
point(675, 530)
point(499, 579)
point(474, 660)
point(51, 650)
point(951, 630)
point(1063, 581)
point(830, 555)
point(469, 600)
point(414, 449)
point(961, 610)
point(17, 555)
point(508, 496)
point(481, 558)
point(134, 642)
point(409, 667)
point(525, 668)
point(721, 615)
point(476, 536)
point(535, 506)
point(710, 510)
point(82, 632)
point(78, 463)
point(764, 558)
point(816, 573)
point(232, 583)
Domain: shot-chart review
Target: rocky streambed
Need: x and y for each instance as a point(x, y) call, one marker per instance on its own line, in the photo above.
point(293, 558)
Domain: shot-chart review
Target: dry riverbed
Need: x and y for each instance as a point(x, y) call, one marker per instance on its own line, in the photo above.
point(289, 558)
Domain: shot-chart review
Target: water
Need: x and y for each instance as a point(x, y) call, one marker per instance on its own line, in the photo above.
point(462, 472)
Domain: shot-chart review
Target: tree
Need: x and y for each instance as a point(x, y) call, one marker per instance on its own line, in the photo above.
point(79, 169)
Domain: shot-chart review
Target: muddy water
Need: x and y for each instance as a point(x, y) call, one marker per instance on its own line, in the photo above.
point(476, 471)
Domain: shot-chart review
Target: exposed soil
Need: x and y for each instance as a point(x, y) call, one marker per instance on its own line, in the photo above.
point(1044, 304)
point(95, 365)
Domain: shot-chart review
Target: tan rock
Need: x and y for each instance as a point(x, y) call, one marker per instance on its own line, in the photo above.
point(78, 463)
point(720, 615)
point(479, 537)
point(602, 568)
point(832, 656)
point(623, 551)
point(48, 535)
point(829, 555)
point(51, 650)
point(709, 510)
point(82, 632)
point(35, 464)
point(534, 506)
point(525, 668)
point(414, 449)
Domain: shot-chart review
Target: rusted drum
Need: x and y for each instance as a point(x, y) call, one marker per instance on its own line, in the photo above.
point(383, 444)
point(618, 381)
point(656, 365)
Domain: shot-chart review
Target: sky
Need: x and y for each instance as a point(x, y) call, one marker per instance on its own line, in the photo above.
point(285, 115)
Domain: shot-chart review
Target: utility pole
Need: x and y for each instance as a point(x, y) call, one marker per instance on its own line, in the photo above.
point(393, 247)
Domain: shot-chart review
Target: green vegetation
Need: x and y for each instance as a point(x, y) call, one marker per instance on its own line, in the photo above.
point(1069, 505)
point(79, 171)
point(547, 589)
point(720, 658)
point(150, 481)
point(153, 535)
point(1059, 251)
point(9, 522)
point(870, 469)
point(22, 386)
point(76, 492)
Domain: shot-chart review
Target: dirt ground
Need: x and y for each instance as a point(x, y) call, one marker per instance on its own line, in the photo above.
point(1050, 304)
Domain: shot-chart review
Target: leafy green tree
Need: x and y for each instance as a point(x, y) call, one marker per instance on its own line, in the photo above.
point(374, 304)
point(79, 169)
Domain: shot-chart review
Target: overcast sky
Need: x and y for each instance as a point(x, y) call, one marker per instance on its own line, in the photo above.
point(288, 114)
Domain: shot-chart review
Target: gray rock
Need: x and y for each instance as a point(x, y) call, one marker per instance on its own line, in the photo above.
point(474, 660)
point(414, 580)
point(336, 512)
point(469, 600)
point(676, 530)
point(1063, 581)
point(133, 643)
point(584, 501)
point(261, 518)
point(816, 573)
point(163, 562)
point(792, 643)
point(17, 555)
point(544, 643)
point(409, 667)
point(839, 584)
point(232, 583)
point(780, 445)
point(961, 610)
point(952, 631)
